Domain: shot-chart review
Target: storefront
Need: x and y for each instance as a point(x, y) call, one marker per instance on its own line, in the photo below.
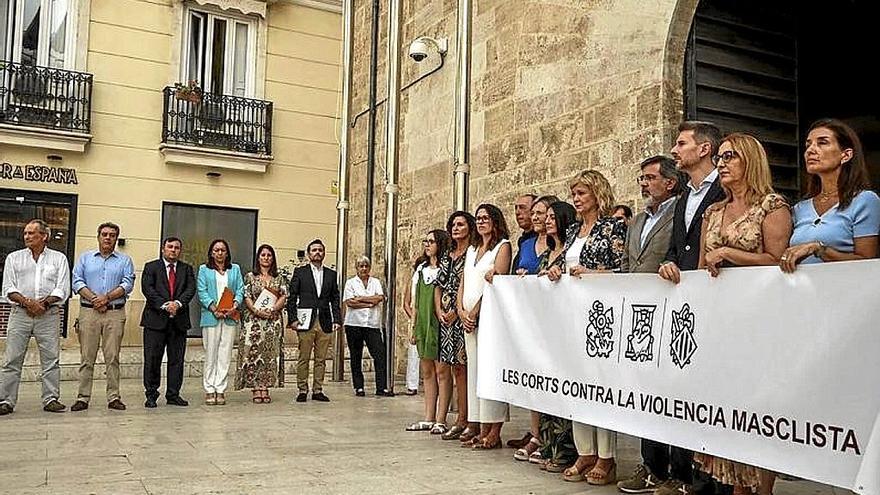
point(210, 119)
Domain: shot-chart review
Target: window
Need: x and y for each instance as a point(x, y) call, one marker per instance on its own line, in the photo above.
point(219, 53)
point(198, 225)
point(37, 32)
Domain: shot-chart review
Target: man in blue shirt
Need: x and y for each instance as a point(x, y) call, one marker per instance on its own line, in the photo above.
point(103, 278)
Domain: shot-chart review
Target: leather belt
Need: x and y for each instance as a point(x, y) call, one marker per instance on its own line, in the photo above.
point(109, 307)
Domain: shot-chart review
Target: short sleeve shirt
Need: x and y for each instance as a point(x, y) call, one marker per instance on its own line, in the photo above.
point(363, 317)
point(836, 228)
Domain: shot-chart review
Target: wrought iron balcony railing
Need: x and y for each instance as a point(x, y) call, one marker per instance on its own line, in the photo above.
point(216, 121)
point(45, 97)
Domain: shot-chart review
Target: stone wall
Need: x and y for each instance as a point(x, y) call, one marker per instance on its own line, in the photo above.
point(558, 86)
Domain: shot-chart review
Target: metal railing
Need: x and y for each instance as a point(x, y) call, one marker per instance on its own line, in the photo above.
point(45, 97)
point(217, 121)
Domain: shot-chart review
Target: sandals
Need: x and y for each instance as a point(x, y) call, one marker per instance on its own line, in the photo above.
point(552, 466)
point(256, 397)
point(602, 476)
point(536, 457)
point(439, 429)
point(211, 399)
point(266, 398)
point(473, 442)
point(420, 426)
point(579, 471)
point(453, 433)
point(468, 434)
point(487, 444)
point(525, 453)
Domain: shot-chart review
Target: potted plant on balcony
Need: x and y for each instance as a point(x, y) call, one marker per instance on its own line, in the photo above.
point(190, 92)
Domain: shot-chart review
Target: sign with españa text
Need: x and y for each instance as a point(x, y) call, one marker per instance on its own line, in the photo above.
point(777, 370)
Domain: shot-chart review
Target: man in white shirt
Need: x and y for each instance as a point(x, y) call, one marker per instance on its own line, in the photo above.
point(362, 298)
point(36, 282)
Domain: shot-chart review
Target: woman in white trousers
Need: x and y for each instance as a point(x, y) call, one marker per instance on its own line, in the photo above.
point(491, 255)
point(219, 322)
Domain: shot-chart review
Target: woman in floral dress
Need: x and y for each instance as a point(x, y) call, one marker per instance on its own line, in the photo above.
point(259, 342)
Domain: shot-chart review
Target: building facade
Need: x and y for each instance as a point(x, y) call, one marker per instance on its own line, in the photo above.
point(559, 86)
point(195, 118)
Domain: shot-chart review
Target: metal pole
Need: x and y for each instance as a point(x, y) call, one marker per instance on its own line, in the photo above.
point(371, 132)
point(391, 162)
point(343, 205)
point(462, 106)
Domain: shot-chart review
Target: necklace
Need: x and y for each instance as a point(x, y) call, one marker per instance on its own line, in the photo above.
point(826, 196)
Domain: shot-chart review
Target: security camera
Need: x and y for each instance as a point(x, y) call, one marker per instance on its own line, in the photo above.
point(423, 45)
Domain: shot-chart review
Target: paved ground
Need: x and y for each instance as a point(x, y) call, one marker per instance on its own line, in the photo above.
point(348, 446)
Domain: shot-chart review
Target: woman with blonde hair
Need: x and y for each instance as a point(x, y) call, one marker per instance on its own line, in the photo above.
point(593, 244)
point(750, 227)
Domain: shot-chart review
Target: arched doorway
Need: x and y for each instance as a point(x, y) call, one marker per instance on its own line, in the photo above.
point(771, 68)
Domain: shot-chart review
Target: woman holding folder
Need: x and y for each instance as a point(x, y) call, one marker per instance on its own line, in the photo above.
point(259, 342)
point(220, 289)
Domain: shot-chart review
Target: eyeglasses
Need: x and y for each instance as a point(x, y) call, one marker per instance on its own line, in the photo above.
point(646, 178)
point(725, 157)
point(428, 241)
point(483, 219)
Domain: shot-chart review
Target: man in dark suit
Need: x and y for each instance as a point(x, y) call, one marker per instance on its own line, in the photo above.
point(313, 287)
point(168, 285)
point(694, 152)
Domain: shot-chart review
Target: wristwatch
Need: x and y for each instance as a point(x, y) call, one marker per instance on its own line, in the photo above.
point(820, 251)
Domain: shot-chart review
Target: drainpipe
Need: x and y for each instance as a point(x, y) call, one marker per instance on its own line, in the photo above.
point(343, 205)
point(371, 131)
point(462, 107)
point(391, 161)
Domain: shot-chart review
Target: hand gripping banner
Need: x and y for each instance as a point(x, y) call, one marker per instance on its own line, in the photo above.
point(777, 370)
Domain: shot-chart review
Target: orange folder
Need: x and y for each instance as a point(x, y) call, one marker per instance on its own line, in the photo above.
point(227, 302)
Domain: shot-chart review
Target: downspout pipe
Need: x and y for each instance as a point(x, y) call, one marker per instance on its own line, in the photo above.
point(371, 131)
point(461, 168)
point(343, 205)
point(392, 152)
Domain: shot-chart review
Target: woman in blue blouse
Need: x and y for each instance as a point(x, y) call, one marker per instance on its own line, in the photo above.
point(218, 325)
point(840, 220)
point(529, 256)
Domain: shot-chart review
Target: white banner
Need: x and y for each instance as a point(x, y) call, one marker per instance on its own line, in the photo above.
point(775, 370)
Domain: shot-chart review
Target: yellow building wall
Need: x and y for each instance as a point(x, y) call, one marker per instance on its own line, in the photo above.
point(122, 175)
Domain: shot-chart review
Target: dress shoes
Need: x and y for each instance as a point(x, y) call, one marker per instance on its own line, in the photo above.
point(5, 409)
point(79, 405)
point(150, 403)
point(177, 401)
point(115, 404)
point(302, 397)
point(54, 406)
point(359, 392)
point(320, 397)
point(384, 393)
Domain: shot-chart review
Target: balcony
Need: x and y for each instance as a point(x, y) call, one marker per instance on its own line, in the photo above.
point(216, 131)
point(45, 107)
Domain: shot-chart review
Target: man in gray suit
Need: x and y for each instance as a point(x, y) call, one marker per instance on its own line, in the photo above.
point(647, 241)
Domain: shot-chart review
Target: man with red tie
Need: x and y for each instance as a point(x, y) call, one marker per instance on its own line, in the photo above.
point(168, 285)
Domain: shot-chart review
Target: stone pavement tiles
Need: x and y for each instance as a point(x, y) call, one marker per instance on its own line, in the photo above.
point(348, 446)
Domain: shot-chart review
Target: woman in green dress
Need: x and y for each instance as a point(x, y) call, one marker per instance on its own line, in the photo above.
point(419, 306)
point(259, 342)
